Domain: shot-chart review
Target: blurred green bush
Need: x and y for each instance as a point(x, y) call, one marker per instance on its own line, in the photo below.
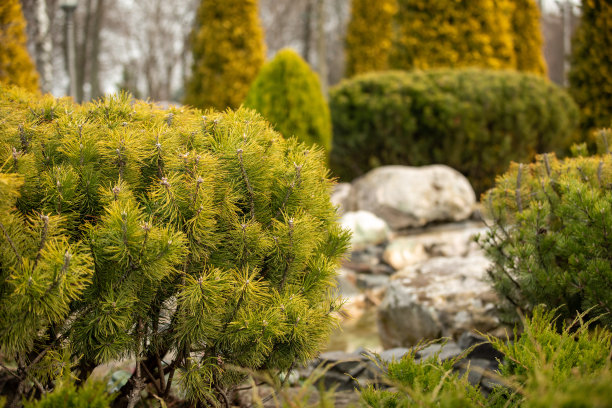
point(288, 94)
point(473, 120)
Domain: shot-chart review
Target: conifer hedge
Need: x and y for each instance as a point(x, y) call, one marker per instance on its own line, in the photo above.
point(550, 236)
point(193, 242)
point(590, 76)
point(475, 121)
point(16, 66)
point(288, 94)
point(440, 33)
point(228, 51)
point(369, 36)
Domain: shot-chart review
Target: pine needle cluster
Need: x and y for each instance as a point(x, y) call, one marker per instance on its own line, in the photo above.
point(193, 242)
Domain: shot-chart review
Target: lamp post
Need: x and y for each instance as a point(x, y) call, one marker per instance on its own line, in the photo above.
point(69, 6)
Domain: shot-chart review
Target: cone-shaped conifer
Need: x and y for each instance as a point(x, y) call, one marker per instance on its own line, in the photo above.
point(369, 36)
point(435, 33)
point(16, 66)
point(591, 73)
point(228, 50)
point(528, 37)
point(193, 242)
point(288, 94)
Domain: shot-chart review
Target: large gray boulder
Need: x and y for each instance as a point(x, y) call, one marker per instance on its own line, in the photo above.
point(414, 196)
point(438, 297)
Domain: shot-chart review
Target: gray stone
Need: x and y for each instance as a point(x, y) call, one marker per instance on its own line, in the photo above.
point(367, 281)
point(414, 196)
point(444, 351)
point(367, 228)
point(341, 196)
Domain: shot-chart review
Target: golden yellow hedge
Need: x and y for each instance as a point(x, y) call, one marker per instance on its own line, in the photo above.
point(16, 66)
point(228, 50)
point(455, 33)
point(369, 36)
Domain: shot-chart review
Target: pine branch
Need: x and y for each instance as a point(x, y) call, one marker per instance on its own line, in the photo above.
point(8, 370)
point(248, 183)
point(11, 243)
point(296, 182)
point(291, 256)
point(45, 219)
point(519, 203)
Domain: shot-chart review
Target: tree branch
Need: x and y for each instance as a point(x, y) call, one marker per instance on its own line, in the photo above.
point(248, 183)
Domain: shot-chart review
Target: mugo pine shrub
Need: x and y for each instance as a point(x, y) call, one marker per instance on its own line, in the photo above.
point(194, 243)
point(550, 236)
point(16, 66)
point(476, 121)
point(288, 94)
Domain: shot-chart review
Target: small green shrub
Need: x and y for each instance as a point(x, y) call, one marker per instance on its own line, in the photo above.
point(476, 121)
point(288, 94)
point(541, 368)
point(91, 395)
point(550, 236)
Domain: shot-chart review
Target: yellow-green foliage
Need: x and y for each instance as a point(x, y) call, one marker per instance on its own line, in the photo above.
point(369, 36)
point(528, 37)
point(197, 237)
point(591, 73)
point(443, 33)
point(228, 50)
point(288, 94)
point(16, 66)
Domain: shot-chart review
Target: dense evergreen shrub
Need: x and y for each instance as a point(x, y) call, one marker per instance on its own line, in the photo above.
point(439, 33)
point(476, 121)
point(228, 51)
point(590, 76)
point(192, 243)
point(288, 94)
point(550, 235)
point(527, 37)
point(543, 367)
point(16, 66)
point(369, 36)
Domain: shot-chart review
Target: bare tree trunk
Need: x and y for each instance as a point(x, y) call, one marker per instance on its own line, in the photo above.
point(82, 54)
point(43, 46)
point(307, 35)
point(94, 56)
point(322, 46)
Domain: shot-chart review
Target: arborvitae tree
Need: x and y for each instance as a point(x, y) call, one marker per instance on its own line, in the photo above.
point(436, 33)
point(591, 71)
point(228, 50)
point(194, 244)
point(16, 66)
point(288, 94)
point(527, 36)
point(369, 36)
